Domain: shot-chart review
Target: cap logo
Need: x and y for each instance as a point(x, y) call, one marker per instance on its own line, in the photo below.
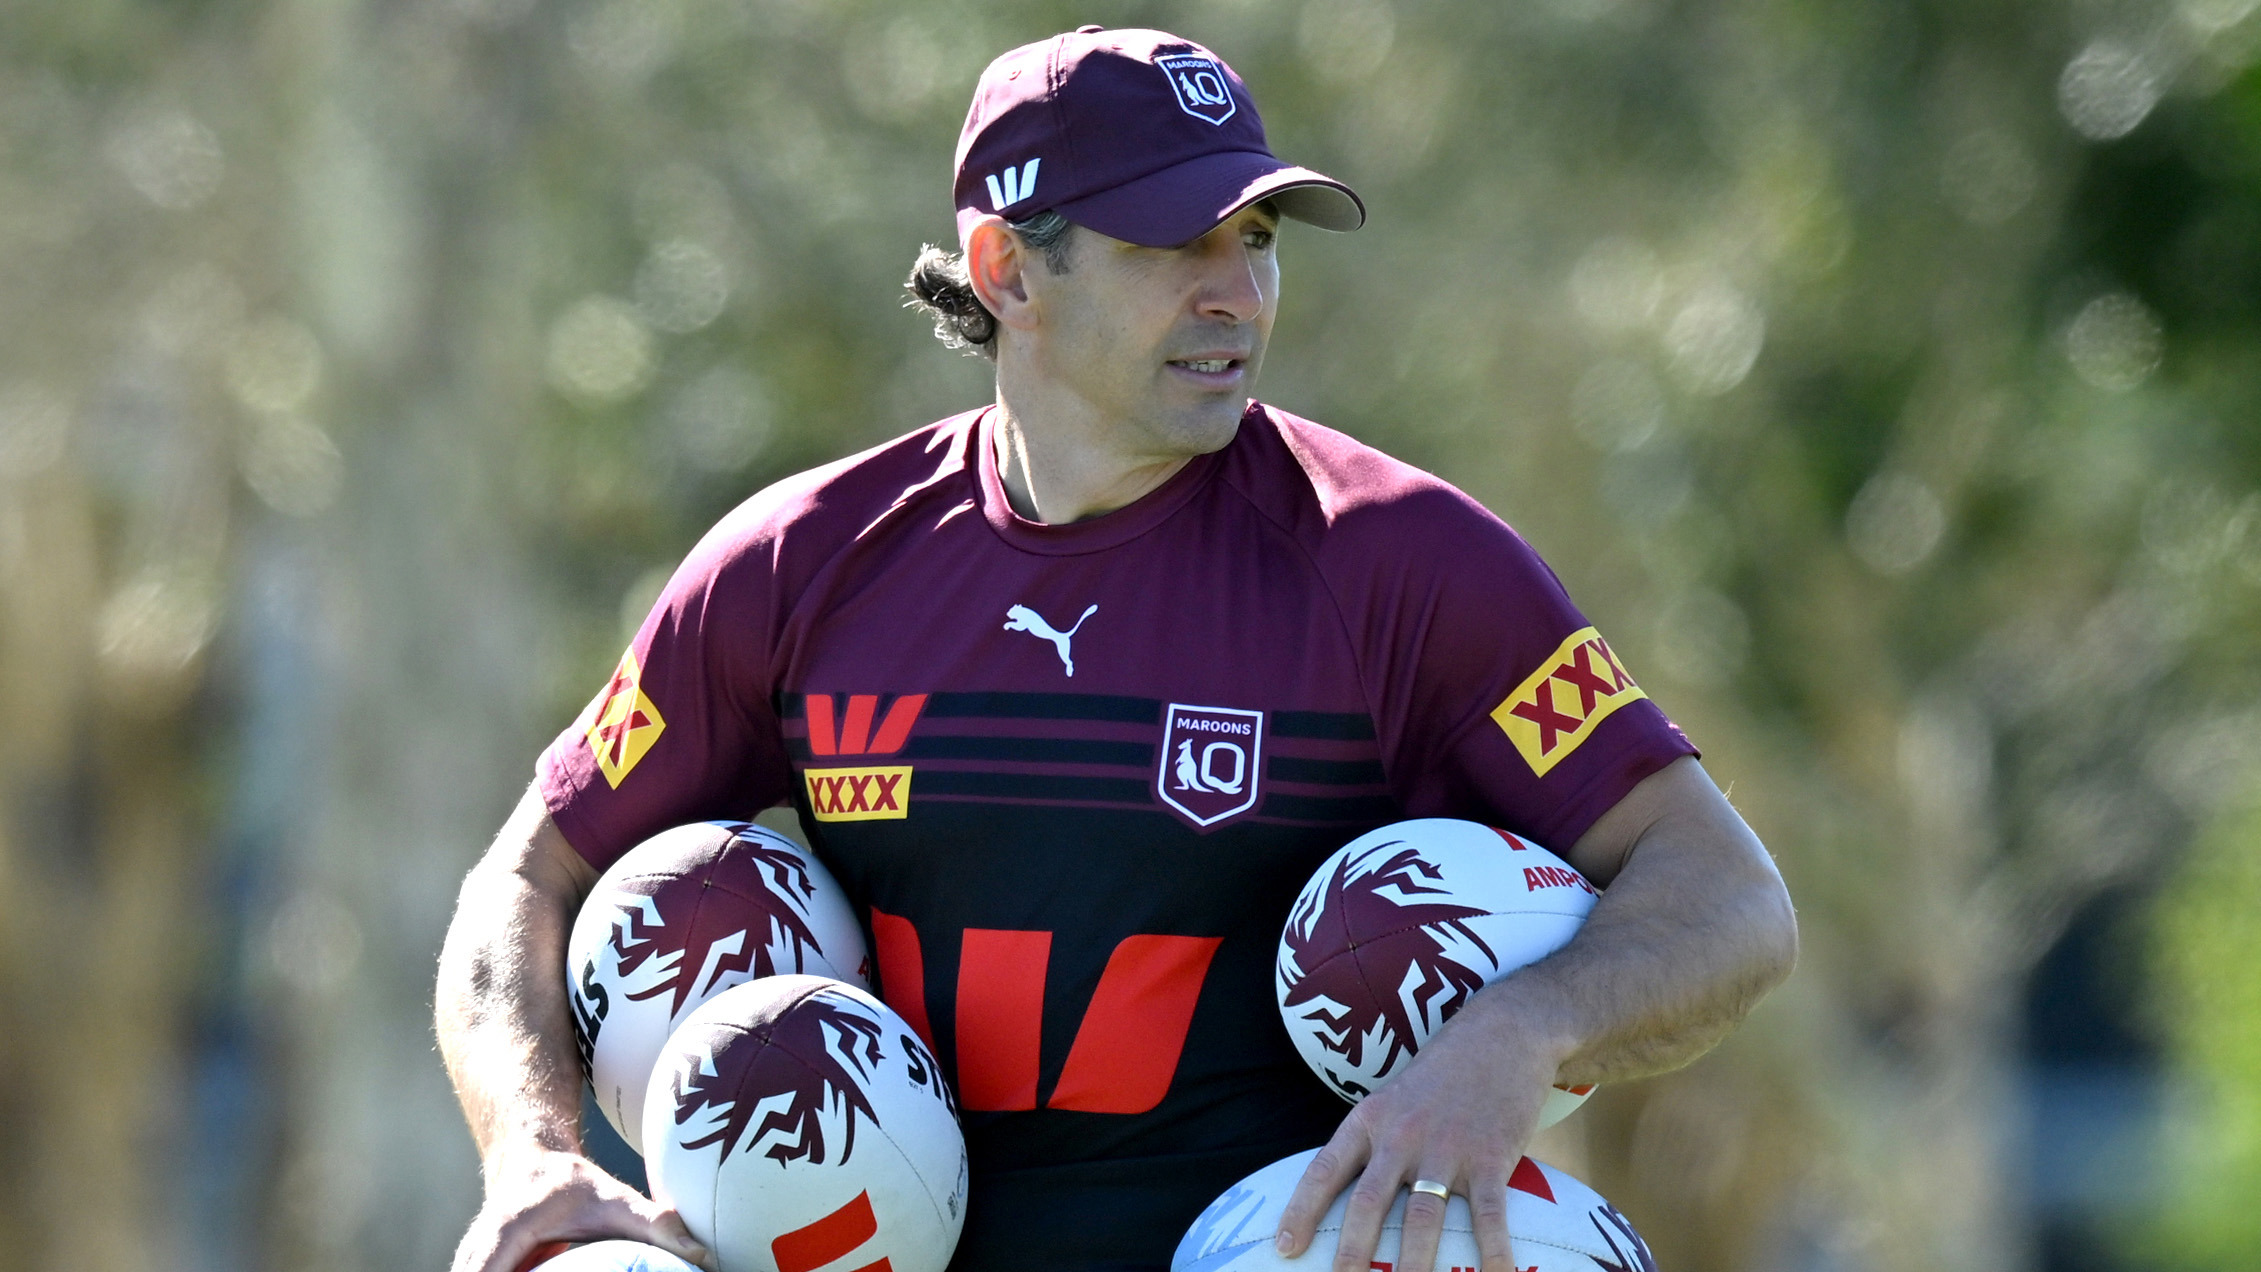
point(1016, 184)
point(1200, 85)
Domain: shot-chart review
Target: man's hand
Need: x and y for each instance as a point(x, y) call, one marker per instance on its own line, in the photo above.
point(508, 1043)
point(1693, 927)
point(1459, 1115)
point(542, 1196)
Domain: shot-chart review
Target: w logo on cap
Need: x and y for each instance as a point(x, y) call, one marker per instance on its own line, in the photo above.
point(1200, 85)
point(1018, 184)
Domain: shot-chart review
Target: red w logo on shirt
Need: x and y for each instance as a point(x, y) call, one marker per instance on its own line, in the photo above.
point(850, 734)
point(1126, 1050)
point(864, 792)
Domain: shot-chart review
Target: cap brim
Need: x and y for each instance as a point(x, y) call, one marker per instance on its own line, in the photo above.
point(1180, 204)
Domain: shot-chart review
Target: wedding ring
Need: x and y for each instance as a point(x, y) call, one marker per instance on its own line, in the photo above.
point(1431, 1187)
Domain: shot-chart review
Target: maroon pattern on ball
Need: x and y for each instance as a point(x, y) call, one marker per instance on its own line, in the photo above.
point(762, 913)
point(786, 1055)
point(1635, 1257)
point(1349, 971)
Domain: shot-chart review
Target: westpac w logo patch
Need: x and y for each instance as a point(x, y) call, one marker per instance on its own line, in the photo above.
point(1212, 761)
point(860, 792)
point(1012, 185)
point(1200, 84)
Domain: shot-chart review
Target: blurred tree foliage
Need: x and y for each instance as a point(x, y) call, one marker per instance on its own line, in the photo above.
point(1881, 375)
point(2209, 951)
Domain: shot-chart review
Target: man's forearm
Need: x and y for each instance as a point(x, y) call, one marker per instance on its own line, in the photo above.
point(1692, 931)
point(501, 1012)
point(508, 1043)
point(1654, 979)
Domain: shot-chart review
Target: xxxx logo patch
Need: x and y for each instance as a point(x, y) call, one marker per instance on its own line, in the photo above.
point(626, 723)
point(860, 792)
point(1565, 700)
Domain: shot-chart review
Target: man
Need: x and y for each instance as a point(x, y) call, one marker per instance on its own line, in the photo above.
point(1022, 617)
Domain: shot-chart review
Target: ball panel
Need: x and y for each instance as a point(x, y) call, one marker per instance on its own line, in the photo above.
point(1555, 1224)
point(616, 1256)
point(787, 1109)
point(1561, 1102)
point(681, 917)
point(1400, 927)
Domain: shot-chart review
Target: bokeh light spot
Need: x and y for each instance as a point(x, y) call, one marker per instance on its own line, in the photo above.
point(2115, 342)
point(681, 286)
point(1701, 638)
point(1617, 284)
point(192, 310)
point(292, 466)
point(600, 352)
point(892, 73)
point(626, 40)
point(1715, 338)
point(154, 626)
point(1616, 405)
point(2209, 17)
point(2107, 90)
point(171, 159)
point(683, 201)
point(273, 365)
point(1988, 177)
point(721, 420)
point(1895, 523)
point(1345, 41)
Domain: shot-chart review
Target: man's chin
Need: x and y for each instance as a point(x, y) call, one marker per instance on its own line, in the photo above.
point(1211, 426)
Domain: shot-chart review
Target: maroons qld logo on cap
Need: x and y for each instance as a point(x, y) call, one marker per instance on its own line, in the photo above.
point(1200, 84)
point(1212, 761)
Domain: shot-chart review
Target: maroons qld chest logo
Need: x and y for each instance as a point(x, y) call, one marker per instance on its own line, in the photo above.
point(1212, 762)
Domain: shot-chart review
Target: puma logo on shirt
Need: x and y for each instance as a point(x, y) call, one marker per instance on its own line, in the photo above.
point(1020, 618)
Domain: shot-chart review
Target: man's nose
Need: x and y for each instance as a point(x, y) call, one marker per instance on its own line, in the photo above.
point(1230, 290)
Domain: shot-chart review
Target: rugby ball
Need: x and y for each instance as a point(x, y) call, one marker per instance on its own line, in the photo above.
point(1554, 1224)
point(794, 1122)
point(679, 918)
point(617, 1256)
point(1401, 927)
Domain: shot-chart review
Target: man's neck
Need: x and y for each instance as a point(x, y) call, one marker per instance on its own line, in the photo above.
point(1061, 464)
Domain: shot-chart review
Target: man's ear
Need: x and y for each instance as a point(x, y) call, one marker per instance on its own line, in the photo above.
point(996, 263)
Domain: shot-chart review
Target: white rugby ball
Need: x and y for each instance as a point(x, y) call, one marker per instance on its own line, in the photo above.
point(1401, 927)
point(616, 1256)
point(1554, 1224)
point(679, 918)
point(794, 1122)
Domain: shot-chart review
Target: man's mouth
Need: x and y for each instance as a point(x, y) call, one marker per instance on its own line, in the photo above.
point(1206, 364)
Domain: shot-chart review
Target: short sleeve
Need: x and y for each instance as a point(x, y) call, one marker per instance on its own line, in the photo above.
point(1498, 700)
point(686, 728)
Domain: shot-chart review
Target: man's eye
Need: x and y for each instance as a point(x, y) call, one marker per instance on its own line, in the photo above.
point(1261, 240)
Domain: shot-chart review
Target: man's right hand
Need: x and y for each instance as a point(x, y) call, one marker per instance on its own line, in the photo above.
point(542, 1196)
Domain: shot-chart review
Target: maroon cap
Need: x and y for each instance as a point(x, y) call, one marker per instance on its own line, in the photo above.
point(1140, 135)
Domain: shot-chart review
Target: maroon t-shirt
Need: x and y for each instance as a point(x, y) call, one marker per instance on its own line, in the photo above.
point(1074, 775)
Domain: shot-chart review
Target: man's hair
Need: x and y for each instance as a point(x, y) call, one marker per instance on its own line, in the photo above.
point(941, 288)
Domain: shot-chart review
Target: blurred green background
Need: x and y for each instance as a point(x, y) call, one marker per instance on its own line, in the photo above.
point(1882, 375)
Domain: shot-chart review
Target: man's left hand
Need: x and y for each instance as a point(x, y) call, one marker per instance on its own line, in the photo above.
point(1459, 1115)
point(1693, 926)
